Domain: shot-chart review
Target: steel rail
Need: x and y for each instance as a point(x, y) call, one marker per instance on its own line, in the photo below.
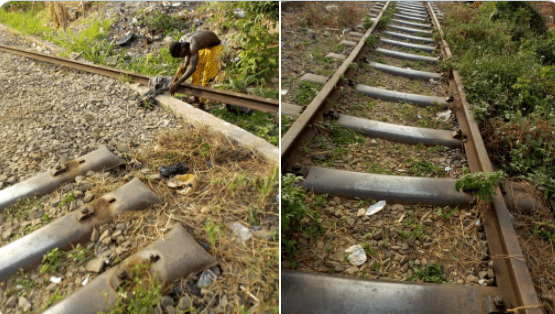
point(513, 277)
point(300, 133)
point(223, 96)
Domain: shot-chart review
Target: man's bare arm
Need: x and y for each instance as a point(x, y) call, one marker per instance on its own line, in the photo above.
point(190, 71)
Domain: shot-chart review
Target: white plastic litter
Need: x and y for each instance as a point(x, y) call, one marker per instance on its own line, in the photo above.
point(85, 280)
point(444, 114)
point(419, 117)
point(375, 208)
point(239, 12)
point(357, 256)
point(447, 169)
point(243, 233)
point(55, 279)
point(283, 92)
point(482, 282)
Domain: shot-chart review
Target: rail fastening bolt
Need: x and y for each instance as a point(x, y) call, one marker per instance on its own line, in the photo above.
point(499, 302)
point(122, 274)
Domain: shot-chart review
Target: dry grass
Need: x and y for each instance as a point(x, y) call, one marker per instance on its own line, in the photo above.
point(315, 14)
point(227, 191)
point(540, 256)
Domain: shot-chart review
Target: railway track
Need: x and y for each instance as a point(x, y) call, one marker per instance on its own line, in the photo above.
point(227, 97)
point(107, 217)
point(391, 92)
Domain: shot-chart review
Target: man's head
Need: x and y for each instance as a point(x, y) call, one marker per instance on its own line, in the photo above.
point(179, 49)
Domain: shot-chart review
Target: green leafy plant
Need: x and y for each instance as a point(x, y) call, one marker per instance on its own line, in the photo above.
point(480, 184)
point(51, 261)
point(429, 273)
point(260, 50)
point(368, 249)
point(213, 230)
point(371, 41)
point(446, 212)
point(161, 21)
point(204, 150)
point(138, 295)
point(55, 297)
point(545, 231)
point(367, 22)
point(296, 215)
point(125, 78)
point(79, 255)
point(67, 198)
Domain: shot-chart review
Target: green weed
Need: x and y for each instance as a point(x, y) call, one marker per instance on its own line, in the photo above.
point(134, 296)
point(367, 22)
point(258, 123)
point(296, 216)
point(421, 167)
point(545, 231)
point(214, 230)
point(51, 261)
point(55, 297)
point(480, 184)
point(429, 273)
point(286, 123)
point(371, 41)
point(66, 199)
point(446, 212)
point(306, 91)
point(80, 254)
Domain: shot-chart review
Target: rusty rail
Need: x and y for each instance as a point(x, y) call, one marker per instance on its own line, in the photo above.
point(300, 133)
point(514, 280)
point(223, 96)
point(304, 293)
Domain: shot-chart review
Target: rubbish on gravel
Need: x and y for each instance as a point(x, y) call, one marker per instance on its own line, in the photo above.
point(85, 280)
point(237, 110)
point(357, 256)
point(179, 168)
point(241, 232)
point(206, 278)
point(283, 92)
point(126, 40)
point(444, 115)
point(55, 279)
point(375, 208)
point(189, 183)
point(447, 169)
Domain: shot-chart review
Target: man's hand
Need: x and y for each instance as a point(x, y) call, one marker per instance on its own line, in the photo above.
point(173, 88)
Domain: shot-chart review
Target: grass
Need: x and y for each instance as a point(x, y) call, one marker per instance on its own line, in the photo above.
point(55, 297)
point(429, 273)
point(297, 216)
point(506, 58)
point(51, 261)
point(22, 284)
point(306, 91)
point(138, 295)
point(258, 123)
point(446, 212)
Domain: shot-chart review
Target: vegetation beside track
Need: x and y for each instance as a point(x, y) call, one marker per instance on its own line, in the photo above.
point(506, 56)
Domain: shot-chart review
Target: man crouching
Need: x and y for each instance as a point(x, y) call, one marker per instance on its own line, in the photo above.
point(202, 50)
